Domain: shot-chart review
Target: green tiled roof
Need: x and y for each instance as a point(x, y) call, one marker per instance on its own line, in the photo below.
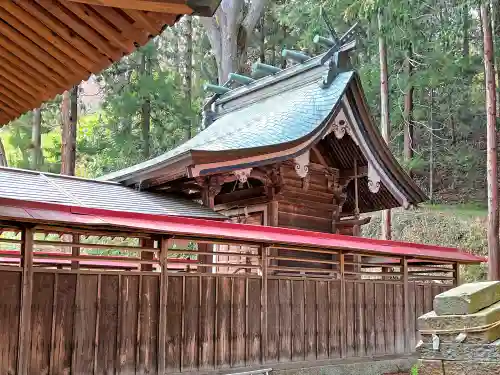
point(285, 117)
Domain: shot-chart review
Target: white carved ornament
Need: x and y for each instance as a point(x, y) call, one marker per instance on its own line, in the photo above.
point(373, 179)
point(243, 174)
point(302, 164)
point(341, 126)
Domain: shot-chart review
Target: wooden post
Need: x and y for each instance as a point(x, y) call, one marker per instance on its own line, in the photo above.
point(75, 251)
point(343, 307)
point(147, 255)
point(209, 189)
point(24, 345)
point(263, 327)
point(406, 305)
point(456, 269)
point(162, 329)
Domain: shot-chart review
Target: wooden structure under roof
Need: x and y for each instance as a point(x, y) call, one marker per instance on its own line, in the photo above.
point(95, 306)
point(48, 46)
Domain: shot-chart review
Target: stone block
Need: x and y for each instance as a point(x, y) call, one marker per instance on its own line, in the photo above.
point(467, 298)
point(433, 321)
point(461, 352)
point(471, 368)
point(430, 367)
point(484, 337)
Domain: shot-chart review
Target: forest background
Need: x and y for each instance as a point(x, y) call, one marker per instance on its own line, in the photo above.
point(150, 101)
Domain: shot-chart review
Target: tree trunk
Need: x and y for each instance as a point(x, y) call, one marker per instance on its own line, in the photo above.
point(283, 60)
point(69, 110)
point(384, 109)
point(188, 71)
point(408, 108)
point(230, 31)
point(465, 30)
point(262, 40)
point(3, 155)
point(145, 109)
point(36, 140)
point(491, 145)
point(431, 151)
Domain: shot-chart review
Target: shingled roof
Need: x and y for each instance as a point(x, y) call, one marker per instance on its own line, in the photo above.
point(280, 117)
point(48, 46)
point(23, 185)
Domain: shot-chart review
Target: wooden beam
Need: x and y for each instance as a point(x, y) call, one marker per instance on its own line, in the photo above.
point(24, 345)
point(163, 6)
point(406, 306)
point(143, 21)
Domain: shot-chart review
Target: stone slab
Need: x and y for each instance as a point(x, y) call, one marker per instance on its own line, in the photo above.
point(461, 352)
point(433, 321)
point(467, 298)
point(470, 368)
point(430, 367)
point(485, 337)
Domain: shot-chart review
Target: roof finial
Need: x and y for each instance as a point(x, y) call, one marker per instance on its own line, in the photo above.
point(216, 88)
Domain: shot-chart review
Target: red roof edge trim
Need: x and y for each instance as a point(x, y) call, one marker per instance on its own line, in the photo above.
point(201, 228)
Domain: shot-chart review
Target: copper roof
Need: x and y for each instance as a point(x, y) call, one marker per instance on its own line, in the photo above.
point(48, 46)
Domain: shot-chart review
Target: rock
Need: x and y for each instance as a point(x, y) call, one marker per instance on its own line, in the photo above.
point(430, 367)
point(470, 368)
point(432, 321)
point(461, 352)
point(467, 298)
point(484, 337)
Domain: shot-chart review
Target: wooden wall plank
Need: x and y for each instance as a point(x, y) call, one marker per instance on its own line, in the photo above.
point(285, 320)
point(349, 319)
point(370, 318)
point(191, 313)
point(223, 355)
point(310, 323)
point(322, 319)
point(335, 322)
point(148, 339)
point(174, 327)
point(428, 298)
point(380, 320)
point(273, 320)
point(128, 324)
point(108, 325)
point(10, 304)
point(26, 300)
point(85, 324)
point(207, 316)
point(410, 303)
point(363, 317)
point(41, 322)
point(399, 327)
point(298, 320)
point(238, 330)
point(254, 321)
point(389, 318)
point(418, 310)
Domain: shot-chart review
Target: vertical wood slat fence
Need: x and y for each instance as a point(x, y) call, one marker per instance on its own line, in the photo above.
point(82, 321)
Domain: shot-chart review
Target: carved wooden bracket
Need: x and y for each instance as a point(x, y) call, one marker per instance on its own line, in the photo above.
point(302, 164)
point(341, 126)
point(373, 179)
point(243, 174)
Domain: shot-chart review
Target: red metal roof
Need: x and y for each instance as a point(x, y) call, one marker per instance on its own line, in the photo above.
point(181, 226)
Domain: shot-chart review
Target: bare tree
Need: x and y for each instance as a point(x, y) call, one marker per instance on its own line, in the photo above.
point(229, 32)
point(69, 114)
point(408, 107)
point(491, 144)
point(384, 111)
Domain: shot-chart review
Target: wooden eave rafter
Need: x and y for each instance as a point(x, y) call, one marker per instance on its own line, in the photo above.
point(48, 46)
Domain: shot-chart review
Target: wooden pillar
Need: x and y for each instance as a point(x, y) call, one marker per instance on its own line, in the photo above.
point(343, 308)
point(263, 326)
point(147, 255)
point(75, 251)
point(406, 305)
point(24, 344)
point(210, 188)
point(456, 274)
point(162, 321)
